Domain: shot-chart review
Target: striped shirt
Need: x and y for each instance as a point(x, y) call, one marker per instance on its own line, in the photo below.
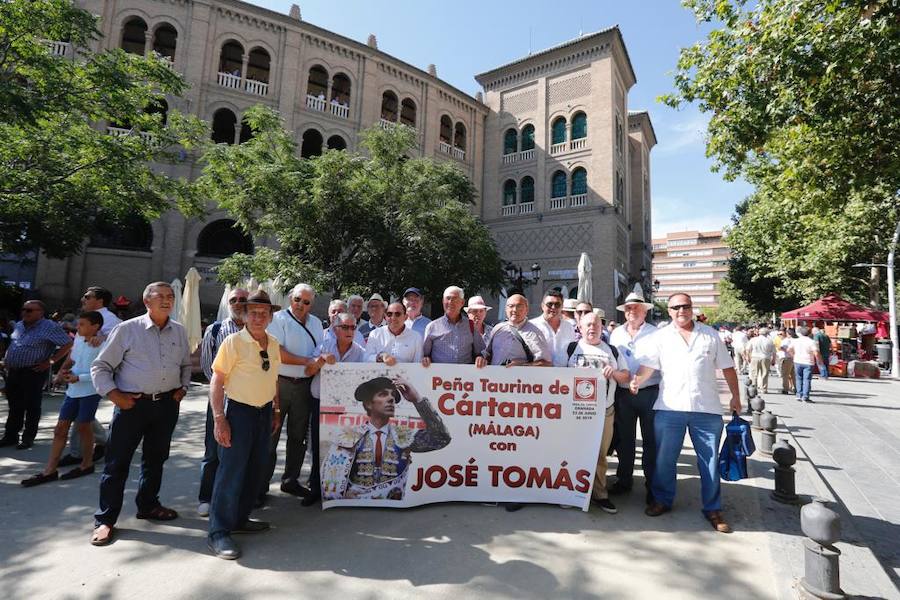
point(447, 342)
point(32, 345)
point(210, 346)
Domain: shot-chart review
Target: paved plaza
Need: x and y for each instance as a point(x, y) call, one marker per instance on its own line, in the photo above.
point(848, 450)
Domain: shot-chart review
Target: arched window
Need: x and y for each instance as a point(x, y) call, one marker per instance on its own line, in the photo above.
point(340, 89)
point(164, 39)
point(231, 58)
point(131, 233)
point(459, 136)
point(336, 142)
point(223, 125)
point(246, 132)
point(389, 106)
point(558, 186)
point(258, 64)
point(408, 113)
point(510, 141)
point(312, 144)
point(223, 238)
point(446, 130)
point(528, 137)
point(579, 181)
point(134, 36)
point(579, 126)
point(509, 192)
point(317, 84)
point(558, 131)
point(527, 189)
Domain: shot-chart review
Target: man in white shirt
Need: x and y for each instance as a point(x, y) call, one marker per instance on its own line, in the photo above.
point(299, 333)
point(761, 352)
point(805, 352)
point(786, 363)
point(558, 332)
point(687, 355)
point(739, 339)
point(395, 343)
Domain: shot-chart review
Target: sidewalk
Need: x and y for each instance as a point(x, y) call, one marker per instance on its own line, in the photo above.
point(442, 551)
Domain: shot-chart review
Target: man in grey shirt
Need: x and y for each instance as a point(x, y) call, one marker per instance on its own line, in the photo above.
point(145, 370)
point(449, 339)
point(509, 340)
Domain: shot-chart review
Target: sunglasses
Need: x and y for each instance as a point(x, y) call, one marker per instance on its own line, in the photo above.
point(265, 360)
point(681, 307)
point(301, 301)
point(394, 313)
point(552, 304)
point(346, 327)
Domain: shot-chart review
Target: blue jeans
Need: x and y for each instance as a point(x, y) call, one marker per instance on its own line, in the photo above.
point(241, 466)
point(823, 370)
point(210, 462)
point(803, 376)
point(706, 433)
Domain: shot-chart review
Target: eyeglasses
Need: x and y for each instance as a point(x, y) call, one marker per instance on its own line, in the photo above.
point(265, 360)
point(681, 307)
point(394, 313)
point(301, 301)
point(346, 327)
point(552, 304)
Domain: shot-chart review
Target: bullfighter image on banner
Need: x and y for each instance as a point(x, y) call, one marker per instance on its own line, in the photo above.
point(406, 435)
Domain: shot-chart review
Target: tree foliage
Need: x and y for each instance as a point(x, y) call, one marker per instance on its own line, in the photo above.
point(804, 97)
point(346, 222)
point(731, 308)
point(60, 173)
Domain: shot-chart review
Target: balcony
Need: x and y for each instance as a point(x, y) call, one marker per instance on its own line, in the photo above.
point(315, 103)
point(58, 48)
point(508, 211)
point(558, 203)
point(234, 82)
point(227, 80)
point(509, 159)
point(574, 201)
point(526, 155)
point(570, 146)
point(340, 110)
point(259, 88)
point(458, 153)
point(385, 124)
point(579, 144)
point(522, 156)
point(525, 208)
point(149, 138)
point(445, 148)
point(578, 200)
point(558, 148)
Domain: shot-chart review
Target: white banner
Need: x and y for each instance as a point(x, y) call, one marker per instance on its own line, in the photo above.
point(409, 435)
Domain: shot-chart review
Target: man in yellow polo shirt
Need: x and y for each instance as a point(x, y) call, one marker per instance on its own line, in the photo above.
point(244, 399)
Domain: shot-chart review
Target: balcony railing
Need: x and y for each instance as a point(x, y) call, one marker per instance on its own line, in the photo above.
point(526, 155)
point(509, 210)
point(510, 158)
point(578, 144)
point(315, 103)
point(227, 80)
point(385, 124)
point(570, 146)
point(340, 110)
point(149, 138)
point(574, 201)
point(577, 200)
point(58, 48)
point(259, 88)
point(558, 148)
point(526, 208)
point(445, 148)
point(458, 153)
point(557, 203)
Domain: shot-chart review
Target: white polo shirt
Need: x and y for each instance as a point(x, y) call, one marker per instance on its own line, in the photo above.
point(406, 347)
point(559, 340)
point(688, 370)
point(292, 337)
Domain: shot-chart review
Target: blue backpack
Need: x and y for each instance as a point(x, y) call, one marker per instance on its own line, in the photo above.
point(736, 447)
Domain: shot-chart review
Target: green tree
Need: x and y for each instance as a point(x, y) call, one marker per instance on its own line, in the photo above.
point(731, 308)
point(60, 173)
point(350, 223)
point(804, 97)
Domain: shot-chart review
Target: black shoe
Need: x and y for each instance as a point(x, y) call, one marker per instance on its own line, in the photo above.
point(605, 505)
point(293, 487)
point(76, 473)
point(39, 479)
point(23, 445)
point(223, 547)
point(513, 506)
point(99, 452)
point(4, 442)
point(68, 461)
point(807, 400)
point(619, 488)
point(311, 499)
point(252, 526)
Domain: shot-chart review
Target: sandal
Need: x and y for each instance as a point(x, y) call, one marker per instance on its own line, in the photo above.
point(40, 478)
point(76, 473)
point(99, 539)
point(158, 513)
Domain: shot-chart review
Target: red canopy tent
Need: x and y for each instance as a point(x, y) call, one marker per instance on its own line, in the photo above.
point(834, 308)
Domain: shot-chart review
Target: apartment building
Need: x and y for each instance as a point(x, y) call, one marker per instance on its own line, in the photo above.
point(693, 262)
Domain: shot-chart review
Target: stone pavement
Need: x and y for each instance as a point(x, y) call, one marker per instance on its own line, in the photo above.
point(442, 551)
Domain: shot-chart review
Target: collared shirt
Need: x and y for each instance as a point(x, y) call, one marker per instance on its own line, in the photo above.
point(447, 342)
point(32, 345)
point(368, 327)
point(480, 340)
point(589, 356)
point(688, 369)
point(739, 340)
point(406, 347)
point(503, 344)
point(240, 361)
point(82, 355)
point(357, 336)
point(210, 345)
point(419, 324)
point(804, 350)
point(290, 334)
point(627, 347)
point(558, 340)
point(140, 357)
point(761, 348)
point(110, 320)
point(355, 353)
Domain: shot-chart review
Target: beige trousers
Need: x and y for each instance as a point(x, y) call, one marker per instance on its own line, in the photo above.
point(759, 373)
point(599, 492)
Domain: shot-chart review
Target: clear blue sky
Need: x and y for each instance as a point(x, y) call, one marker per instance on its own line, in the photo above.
point(467, 37)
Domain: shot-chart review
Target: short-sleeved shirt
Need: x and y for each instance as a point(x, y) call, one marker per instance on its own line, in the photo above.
point(109, 320)
point(406, 347)
point(291, 335)
point(504, 345)
point(558, 340)
point(627, 347)
point(210, 344)
point(82, 355)
point(419, 324)
point(804, 350)
point(355, 353)
point(239, 360)
point(688, 369)
point(447, 342)
point(761, 348)
point(32, 345)
point(589, 356)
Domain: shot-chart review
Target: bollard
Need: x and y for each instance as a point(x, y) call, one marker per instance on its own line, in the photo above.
point(757, 404)
point(784, 456)
point(821, 571)
point(767, 421)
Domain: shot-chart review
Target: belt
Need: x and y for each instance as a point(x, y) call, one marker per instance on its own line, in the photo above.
point(158, 396)
point(294, 379)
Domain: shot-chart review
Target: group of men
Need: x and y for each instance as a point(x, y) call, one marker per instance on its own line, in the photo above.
point(264, 363)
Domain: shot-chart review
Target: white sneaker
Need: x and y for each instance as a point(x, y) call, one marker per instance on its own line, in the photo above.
point(203, 509)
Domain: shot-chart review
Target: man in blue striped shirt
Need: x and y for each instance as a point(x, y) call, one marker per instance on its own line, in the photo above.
point(36, 344)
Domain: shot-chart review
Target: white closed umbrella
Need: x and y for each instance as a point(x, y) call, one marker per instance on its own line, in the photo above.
point(585, 283)
point(190, 314)
point(277, 294)
point(177, 290)
point(223, 312)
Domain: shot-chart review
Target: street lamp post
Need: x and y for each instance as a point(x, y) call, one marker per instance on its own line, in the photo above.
point(517, 278)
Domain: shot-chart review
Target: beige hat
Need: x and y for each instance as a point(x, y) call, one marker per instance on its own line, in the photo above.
point(634, 299)
point(569, 304)
point(600, 313)
point(477, 302)
point(376, 297)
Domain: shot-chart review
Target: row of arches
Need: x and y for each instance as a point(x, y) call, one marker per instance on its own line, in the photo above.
point(522, 192)
point(255, 66)
point(453, 135)
point(217, 239)
point(135, 38)
point(560, 132)
point(225, 130)
point(393, 110)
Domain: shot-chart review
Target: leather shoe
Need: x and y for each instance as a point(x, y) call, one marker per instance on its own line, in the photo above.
point(69, 461)
point(223, 547)
point(718, 522)
point(655, 509)
point(252, 526)
point(4, 442)
point(293, 487)
point(23, 445)
point(618, 488)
